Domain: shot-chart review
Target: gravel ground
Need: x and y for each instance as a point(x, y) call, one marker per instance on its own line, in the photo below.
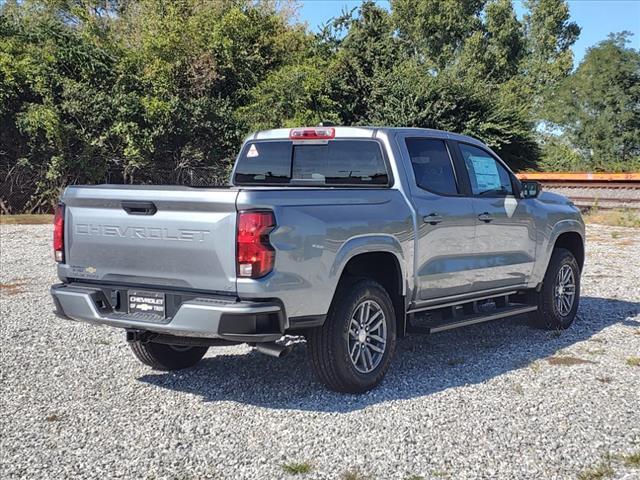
point(497, 400)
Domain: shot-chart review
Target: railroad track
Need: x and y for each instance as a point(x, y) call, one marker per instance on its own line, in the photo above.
point(587, 190)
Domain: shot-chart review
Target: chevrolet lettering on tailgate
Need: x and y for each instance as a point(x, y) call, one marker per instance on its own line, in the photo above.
point(145, 233)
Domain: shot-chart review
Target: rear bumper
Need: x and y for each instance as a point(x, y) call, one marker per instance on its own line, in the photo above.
point(199, 317)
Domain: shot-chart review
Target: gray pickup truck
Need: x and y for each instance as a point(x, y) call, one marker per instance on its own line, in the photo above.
point(349, 237)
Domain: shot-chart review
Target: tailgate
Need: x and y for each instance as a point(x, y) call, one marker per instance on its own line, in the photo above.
point(141, 235)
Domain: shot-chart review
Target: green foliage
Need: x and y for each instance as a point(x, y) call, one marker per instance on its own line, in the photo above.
point(297, 468)
point(90, 87)
point(92, 90)
point(549, 59)
point(368, 50)
point(559, 155)
point(437, 28)
point(291, 96)
point(505, 40)
point(596, 108)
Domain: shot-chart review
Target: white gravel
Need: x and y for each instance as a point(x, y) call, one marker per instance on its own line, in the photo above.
point(480, 402)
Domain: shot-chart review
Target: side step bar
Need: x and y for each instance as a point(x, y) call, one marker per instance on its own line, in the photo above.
point(471, 319)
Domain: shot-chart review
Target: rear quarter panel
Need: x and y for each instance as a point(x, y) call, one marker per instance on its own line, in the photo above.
point(318, 231)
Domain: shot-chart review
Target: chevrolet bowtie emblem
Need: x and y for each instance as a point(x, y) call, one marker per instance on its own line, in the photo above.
point(90, 270)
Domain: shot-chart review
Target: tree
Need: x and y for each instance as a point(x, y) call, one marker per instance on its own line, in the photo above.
point(368, 50)
point(549, 36)
point(505, 40)
point(462, 74)
point(437, 29)
point(411, 96)
point(597, 108)
point(93, 89)
point(292, 96)
point(104, 90)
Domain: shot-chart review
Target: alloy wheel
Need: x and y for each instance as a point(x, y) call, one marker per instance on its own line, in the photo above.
point(367, 339)
point(565, 290)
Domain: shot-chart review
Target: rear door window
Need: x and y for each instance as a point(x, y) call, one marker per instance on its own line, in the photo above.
point(432, 165)
point(335, 162)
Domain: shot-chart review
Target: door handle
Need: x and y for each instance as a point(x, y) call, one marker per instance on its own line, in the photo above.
point(432, 218)
point(485, 217)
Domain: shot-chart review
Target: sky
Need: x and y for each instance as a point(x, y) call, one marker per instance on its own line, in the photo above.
point(597, 18)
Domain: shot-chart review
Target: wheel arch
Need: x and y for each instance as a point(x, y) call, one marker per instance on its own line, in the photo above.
point(380, 259)
point(566, 233)
point(573, 242)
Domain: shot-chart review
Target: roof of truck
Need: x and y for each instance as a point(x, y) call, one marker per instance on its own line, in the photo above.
point(365, 132)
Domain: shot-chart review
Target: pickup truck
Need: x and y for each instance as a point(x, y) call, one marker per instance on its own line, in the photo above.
point(349, 237)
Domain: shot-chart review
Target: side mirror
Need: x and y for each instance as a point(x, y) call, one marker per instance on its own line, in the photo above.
point(530, 189)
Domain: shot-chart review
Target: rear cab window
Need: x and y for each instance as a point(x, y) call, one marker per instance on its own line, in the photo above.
point(337, 162)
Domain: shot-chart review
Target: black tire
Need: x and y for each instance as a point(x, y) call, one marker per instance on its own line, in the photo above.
point(328, 346)
point(161, 356)
point(548, 315)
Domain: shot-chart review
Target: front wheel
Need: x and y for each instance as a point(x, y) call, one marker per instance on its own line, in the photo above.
point(161, 356)
point(352, 351)
point(560, 294)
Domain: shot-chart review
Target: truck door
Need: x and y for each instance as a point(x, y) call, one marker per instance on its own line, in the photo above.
point(446, 219)
point(504, 249)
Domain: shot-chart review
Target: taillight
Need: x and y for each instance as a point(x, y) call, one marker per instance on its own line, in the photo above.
point(58, 234)
point(312, 133)
point(254, 254)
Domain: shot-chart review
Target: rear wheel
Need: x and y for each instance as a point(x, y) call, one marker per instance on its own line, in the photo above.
point(352, 351)
point(560, 294)
point(161, 356)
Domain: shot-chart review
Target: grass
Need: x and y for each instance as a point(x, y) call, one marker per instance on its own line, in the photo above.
point(26, 219)
point(535, 366)
point(632, 460)
point(567, 361)
point(604, 469)
point(297, 468)
point(353, 475)
point(599, 472)
point(614, 218)
point(633, 361)
point(13, 288)
point(439, 474)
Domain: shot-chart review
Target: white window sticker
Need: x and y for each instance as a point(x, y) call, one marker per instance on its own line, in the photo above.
point(486, 172)
point(253, 151)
